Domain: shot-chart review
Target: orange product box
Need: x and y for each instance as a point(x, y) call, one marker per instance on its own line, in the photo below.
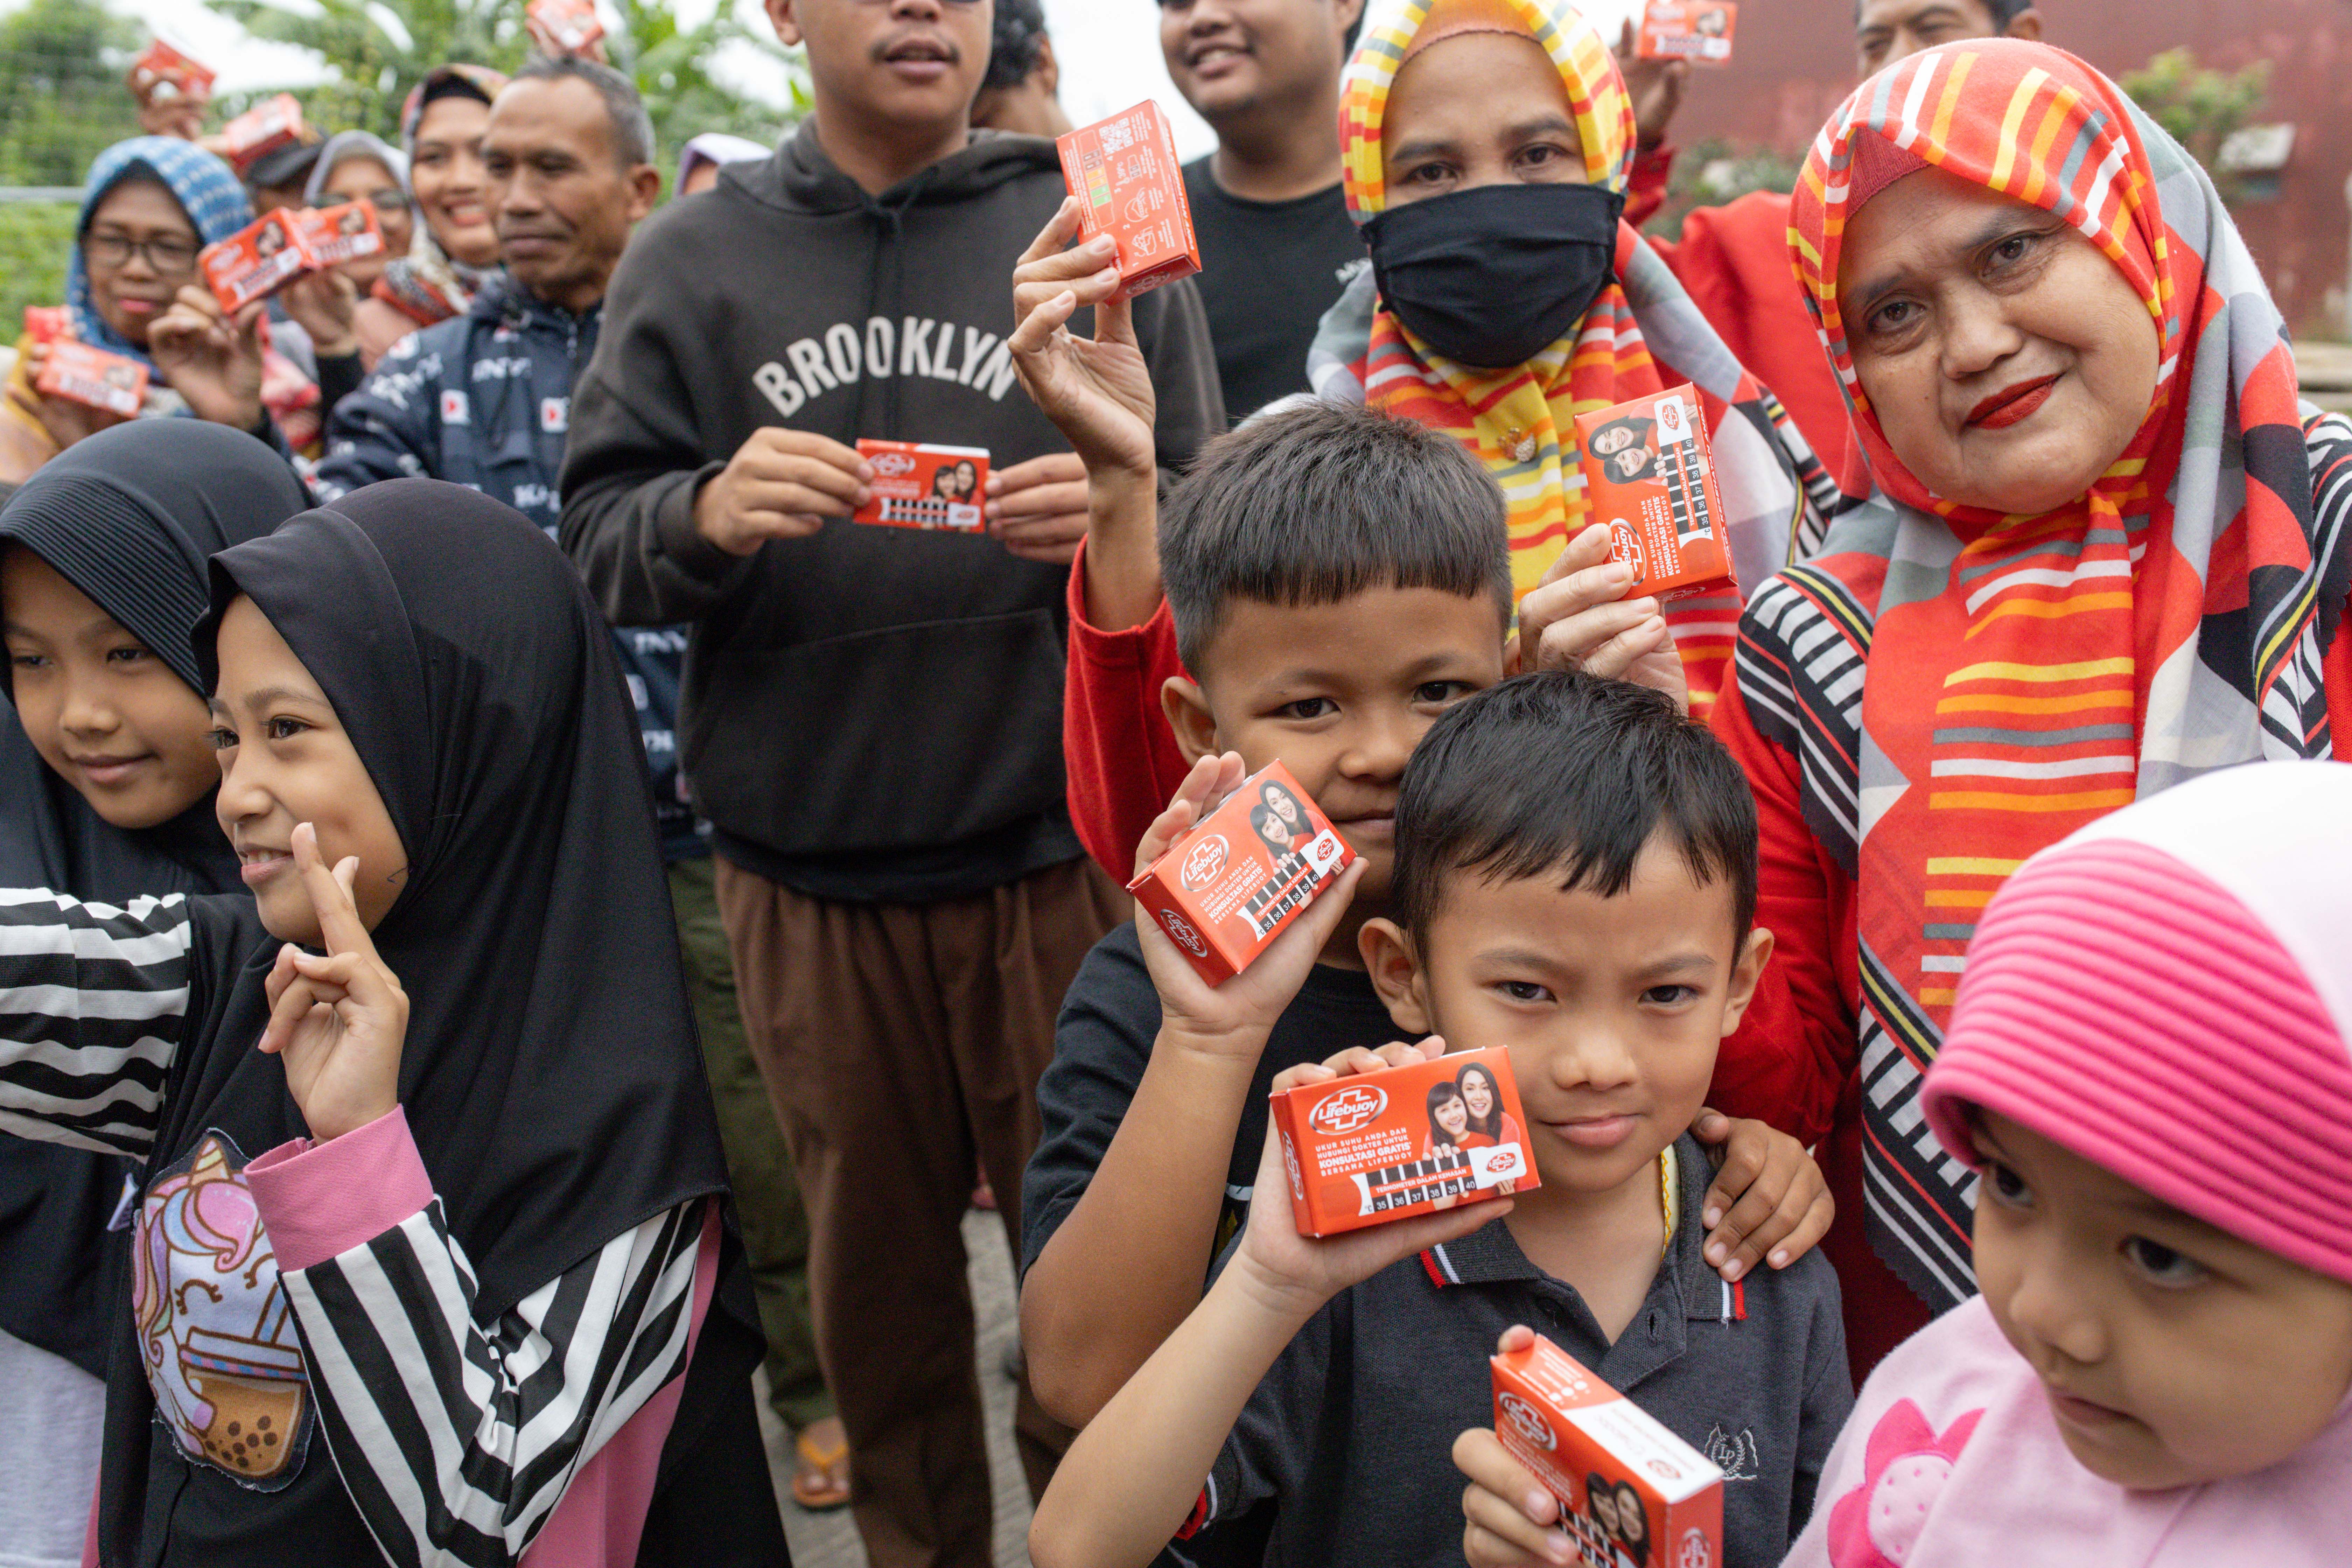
point(562, 27)
point(163, 73)
point(345, 232)
point(260, 131)
point(1649, 474)
point(260, 259)
point(47, 323)
point(919, 486)
point(1377, 1146)
point(1228, 887)
point(1629, 1490)
point(1125, 175)
point(115, 383)
point(1697, 30)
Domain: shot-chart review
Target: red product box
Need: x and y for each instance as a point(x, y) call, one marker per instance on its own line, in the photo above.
point(1124, 173)
point(47, 323)
point(1377, 1146)
point(260, 131)
point(115, 383)
point(257, 259)
point(1229, 886)
point(1629, 1490)
point(562, 27)
point(1697, 30)
point(342, 233)
point(919, 486)
point(163, 73)
point(1649, 474)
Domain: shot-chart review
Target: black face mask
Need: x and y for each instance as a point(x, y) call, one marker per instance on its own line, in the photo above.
point(1493, 276)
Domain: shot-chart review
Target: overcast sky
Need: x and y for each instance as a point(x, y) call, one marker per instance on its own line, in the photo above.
point(1109, 51)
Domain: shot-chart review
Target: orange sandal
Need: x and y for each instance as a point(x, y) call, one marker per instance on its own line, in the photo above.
point(821, 1483)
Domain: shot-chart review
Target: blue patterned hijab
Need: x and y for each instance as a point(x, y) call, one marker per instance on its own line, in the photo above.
point(206, 188)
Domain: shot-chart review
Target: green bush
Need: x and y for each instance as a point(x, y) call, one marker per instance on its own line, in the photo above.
point(35, 239)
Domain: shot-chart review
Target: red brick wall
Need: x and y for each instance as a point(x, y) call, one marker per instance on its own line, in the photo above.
point(1796, 62)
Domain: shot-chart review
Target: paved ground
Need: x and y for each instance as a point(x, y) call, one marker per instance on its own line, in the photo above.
point(829, 1540)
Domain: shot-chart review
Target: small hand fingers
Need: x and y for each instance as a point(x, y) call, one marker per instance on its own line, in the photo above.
point(1594, 636)
point(281, 972)
point(1482, 1548)
point(1066, 266)
point(293, 1004)
point(1038, 324)
point(1510, 1536)
point(1613, 657)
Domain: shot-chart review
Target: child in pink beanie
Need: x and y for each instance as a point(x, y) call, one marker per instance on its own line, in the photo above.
point(2148, 1070)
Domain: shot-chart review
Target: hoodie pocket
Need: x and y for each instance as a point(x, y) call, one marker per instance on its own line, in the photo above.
point(904, 738)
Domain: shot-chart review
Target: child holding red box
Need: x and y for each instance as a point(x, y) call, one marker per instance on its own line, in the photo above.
point(1574, 880)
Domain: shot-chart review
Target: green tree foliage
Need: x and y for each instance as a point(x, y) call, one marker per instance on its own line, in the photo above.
point(35, 240)
point(1712, 173)
point(378, 49)
point(61, 94)
point(2200, 108)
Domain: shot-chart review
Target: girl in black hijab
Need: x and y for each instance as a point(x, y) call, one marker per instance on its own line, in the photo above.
point(483, 1176)
point(103, 578)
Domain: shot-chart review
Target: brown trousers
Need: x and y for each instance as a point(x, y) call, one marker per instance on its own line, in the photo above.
point(902, 1044)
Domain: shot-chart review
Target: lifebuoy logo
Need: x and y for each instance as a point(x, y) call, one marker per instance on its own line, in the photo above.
point(1503, 1162)
point(1694, 1551)
point(893, 465)
point(1673, 422)
point(1182, 930)
point(1664, 1470)
point(1203, 862)
point(1527, 1421)
point(1290, 1161)
point(1358, 1105)
point(1626, 544)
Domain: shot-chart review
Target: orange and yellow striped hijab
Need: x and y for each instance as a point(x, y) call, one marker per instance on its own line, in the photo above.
point(1520, 421)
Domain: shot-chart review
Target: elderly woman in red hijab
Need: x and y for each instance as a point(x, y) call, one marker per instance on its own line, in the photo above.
point(2106, 553)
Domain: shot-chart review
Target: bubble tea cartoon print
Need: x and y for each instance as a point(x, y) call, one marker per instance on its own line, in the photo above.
point(215, 1331)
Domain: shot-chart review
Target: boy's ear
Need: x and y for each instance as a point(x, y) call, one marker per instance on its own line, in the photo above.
point(1746, 971)
point(1187, 707)
point(1511, 654)
point(1395, 972)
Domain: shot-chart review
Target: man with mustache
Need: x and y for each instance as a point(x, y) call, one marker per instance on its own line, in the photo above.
point(873, 715)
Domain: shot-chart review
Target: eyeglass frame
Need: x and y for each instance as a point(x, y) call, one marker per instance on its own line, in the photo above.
point(95, 246)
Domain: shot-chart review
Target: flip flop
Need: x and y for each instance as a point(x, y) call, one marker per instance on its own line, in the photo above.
point(821, 1483)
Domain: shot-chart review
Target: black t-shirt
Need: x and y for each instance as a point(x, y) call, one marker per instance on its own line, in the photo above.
point(1101, 1044)
point(1268, 271)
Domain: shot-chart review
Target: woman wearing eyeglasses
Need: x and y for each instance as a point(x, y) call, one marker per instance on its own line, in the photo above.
point(133, 288)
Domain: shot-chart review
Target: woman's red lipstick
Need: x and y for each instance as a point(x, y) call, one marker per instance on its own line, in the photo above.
point(2013, 405)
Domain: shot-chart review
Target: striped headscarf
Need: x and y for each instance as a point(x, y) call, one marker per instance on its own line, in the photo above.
point(206, 188)
point(1520, 421)
point(2028, 674)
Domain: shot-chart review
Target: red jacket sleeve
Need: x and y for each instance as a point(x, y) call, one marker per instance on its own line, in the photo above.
point(1120, 757)
point(1789, 1061)
point(1733, 261)
point(1645, 185)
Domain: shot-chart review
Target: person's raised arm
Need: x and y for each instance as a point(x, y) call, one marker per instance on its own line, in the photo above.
point(1135, 1473)
point(1127, 1264)
point(1097, 391)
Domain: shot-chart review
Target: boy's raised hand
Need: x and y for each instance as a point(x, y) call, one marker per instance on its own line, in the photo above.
point(1098, 390)
point(1510, 1518)
point(1296, 1274)
point(338, 1021)
point(1234, 1019)
point(1770, 1201)
point(1578, 617)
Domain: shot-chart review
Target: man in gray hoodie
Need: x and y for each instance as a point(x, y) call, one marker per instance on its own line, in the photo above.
point(872, 715)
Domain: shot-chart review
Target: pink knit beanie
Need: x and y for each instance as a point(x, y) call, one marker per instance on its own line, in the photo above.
point(2169, 994)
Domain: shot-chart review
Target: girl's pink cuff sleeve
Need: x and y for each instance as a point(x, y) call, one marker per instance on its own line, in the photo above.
point(319, 1200)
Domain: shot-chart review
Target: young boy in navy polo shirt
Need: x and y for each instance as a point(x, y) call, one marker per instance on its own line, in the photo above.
point(1574, 878)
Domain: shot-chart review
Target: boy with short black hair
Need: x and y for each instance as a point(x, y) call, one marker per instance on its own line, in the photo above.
point(1575, 880)
point(1339, 579)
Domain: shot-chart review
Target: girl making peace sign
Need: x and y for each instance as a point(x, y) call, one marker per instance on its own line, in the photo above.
point(473, 1158)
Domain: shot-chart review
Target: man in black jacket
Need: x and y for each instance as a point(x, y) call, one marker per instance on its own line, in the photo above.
point(872, 715)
